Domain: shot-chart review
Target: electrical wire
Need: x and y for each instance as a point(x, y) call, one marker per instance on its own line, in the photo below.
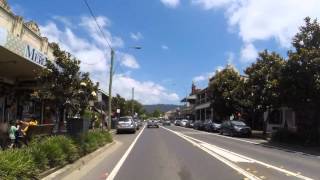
point(99, 27)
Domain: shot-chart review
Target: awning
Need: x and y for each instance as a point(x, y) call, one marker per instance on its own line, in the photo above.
point(192, 97)
point(203, 106)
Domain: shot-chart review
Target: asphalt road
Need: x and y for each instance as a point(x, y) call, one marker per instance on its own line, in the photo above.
point(176, 153)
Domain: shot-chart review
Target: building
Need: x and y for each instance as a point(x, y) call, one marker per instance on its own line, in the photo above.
point(23, 54)
point(187, 110)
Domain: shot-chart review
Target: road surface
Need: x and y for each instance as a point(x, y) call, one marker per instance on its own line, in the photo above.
point(176, 153)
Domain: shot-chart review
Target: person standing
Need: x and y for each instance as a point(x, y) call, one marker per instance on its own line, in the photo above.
point(14, 128)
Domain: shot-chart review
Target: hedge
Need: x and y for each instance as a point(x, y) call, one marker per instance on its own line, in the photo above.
point(43, 154)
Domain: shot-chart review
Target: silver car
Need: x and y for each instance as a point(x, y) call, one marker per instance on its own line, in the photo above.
point(126, 124)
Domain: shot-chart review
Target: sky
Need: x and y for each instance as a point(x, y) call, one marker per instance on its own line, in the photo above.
point(183, 41)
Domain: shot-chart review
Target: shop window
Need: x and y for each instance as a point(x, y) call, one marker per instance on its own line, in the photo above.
point(275, 117)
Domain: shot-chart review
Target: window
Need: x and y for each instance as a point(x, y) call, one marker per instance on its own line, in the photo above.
point(275, 117)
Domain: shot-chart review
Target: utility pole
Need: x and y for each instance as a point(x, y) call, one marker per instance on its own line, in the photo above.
point(132, 104)
point(110, 89)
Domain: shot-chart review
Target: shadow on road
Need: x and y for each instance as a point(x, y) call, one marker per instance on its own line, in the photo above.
point(307, 151)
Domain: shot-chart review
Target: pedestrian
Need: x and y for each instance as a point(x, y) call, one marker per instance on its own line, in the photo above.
point(13, 131)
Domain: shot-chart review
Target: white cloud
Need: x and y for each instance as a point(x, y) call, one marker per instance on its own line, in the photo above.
point(257, 20)
point(146, 92)
point(208, 75)
point(230, 57)
point(94, 56)
point(136, 36)
point(129, 61)
point(63, 20)
point(200, 78)
point(171, 3)
point(164, 47)
point(248, 53)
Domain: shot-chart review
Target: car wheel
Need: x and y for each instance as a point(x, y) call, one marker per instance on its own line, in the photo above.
point(221, 132)
point(231, 134)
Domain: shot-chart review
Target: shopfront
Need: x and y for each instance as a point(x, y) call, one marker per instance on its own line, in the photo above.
point(23, 54)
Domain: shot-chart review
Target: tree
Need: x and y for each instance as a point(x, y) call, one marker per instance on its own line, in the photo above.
point(263, 83)
point(156, 113)
point(222, 92)
point(63, 83)
point(119, 102)
point(138, 107)
point(300, 82)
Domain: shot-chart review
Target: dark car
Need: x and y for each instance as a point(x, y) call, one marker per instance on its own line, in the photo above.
point(152, 124)
point(198, 125)
point(166, 123)
point(212, 126)
point(235, 128)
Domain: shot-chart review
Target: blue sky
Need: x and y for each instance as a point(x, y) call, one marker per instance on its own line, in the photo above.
point(182, 40)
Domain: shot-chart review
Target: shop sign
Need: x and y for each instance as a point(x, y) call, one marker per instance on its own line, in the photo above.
point(16, 45)
point(35, 56)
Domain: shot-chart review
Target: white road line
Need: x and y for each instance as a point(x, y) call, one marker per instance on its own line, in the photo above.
point(230, 164)
point(251, 142)
point(116, 169)
point(225, 154)
point(248, 158)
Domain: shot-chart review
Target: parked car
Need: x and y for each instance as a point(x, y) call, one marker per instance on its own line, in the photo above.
point(190, 124)
point(126, 124)
point(206, 125)
point(152, 124)
point(138, 123)
point(235, 128)
point(198, 125)
point(166, 123)
point(177, 122)
point(212, 126)
point(183, 122)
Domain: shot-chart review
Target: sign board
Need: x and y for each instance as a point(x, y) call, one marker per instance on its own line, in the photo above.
point(99, 97)
point(19, 47)
point(118, 111)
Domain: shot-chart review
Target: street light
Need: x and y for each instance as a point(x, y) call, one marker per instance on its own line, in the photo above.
point(110, 83)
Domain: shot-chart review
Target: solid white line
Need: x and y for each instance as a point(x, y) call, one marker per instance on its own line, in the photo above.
point(116, 169)
point(230, 164)
point(250, 159)
point(251, 142)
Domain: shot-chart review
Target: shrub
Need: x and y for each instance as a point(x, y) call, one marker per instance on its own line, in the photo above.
point(41, 154)
point(53, 151)
point(68, 147)
point(17, 164)
point(92, 140)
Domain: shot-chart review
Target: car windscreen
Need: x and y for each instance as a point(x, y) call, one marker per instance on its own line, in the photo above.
point(238, 123)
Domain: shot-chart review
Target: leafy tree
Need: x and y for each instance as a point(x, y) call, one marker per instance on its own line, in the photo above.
point(119, 102)
point(63, 83)
point(263, 83)
point(138, 107)
point(222, 92)
point(156, 113)
point(301, 78)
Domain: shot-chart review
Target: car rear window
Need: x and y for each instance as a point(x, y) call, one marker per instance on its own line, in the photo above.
point(124, 120)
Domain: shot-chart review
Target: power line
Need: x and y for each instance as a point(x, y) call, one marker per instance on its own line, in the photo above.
point(99, 27)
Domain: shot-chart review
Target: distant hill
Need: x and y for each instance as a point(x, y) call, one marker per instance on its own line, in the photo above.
point(161, 107)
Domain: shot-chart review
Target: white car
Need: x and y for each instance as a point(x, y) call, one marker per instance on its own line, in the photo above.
point(184, 122)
